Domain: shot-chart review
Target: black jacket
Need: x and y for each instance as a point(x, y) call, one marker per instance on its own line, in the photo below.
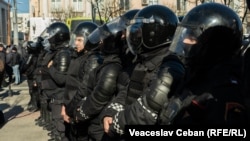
point(224, 101)
point(143, 92)
point(73, 79)
point(39, 67)
point(54, 77)
point(15, 58)
point(101, 88)
point(93, 60)
point(29, 66)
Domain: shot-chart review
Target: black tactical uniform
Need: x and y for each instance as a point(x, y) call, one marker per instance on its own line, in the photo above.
point(213, 79)
point(29, 68)
point(144, 88)
point(103, 80)
point(245, 51)
point(38, 80)
point(93, 59)
point(45, 114)
point(78, 58)
point(57, 37)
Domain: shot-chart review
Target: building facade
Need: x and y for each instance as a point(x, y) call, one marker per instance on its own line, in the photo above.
point(22, 20)
point(22, 26)
point(46, 8)
point(4, 21)
point(63, 9)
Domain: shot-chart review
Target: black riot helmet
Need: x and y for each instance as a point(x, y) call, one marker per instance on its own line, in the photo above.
point(207, 34)
point(83, 29)
point(129, 15)
point(110, 34)
point(56, 35)
point(152, 27)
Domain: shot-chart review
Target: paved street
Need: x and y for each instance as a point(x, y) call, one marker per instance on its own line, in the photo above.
point(19, 125)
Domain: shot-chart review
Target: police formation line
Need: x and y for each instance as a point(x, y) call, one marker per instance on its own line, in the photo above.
point(144, 68)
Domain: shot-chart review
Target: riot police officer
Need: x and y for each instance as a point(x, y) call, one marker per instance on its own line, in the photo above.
point(148, 85)
point(78, 56)
point(77, 40)
point(246, 68)
point(103, 80)
point(56, 65)
point(211, 55)
point(41, 120)
point(29, 68)
point(92, 59)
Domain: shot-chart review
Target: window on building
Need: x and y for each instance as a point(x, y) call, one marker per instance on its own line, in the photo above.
point(56, 5)
point(78, 5)
point(153, 2)
point(179, 5)
point(124, 4)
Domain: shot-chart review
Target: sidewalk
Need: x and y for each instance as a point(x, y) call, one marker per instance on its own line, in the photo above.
point(19, 123)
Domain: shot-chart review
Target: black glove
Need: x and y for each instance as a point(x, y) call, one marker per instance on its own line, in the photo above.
point(176, 104)
point(169, 111)
point(202, 100)
point(77, 115)
point(72, 121)
point(199, 105)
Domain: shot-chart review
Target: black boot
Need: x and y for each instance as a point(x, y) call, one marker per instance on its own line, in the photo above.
point(33, 102)
point(42, 122)
point(38, 119)
point(49, 124)
point(59, 136)
point(2, 118)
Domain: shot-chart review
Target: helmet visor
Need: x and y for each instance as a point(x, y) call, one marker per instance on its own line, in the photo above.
point(97, 35)
point(48, 33)
point(45, 34)
point(117, 25)
point(184, 39)
point(104, 31)
point(134, 37)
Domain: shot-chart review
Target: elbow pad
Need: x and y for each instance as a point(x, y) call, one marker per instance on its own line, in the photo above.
point(169, 74)
point(157, 93)
point(63, 61)
point(106, 88)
